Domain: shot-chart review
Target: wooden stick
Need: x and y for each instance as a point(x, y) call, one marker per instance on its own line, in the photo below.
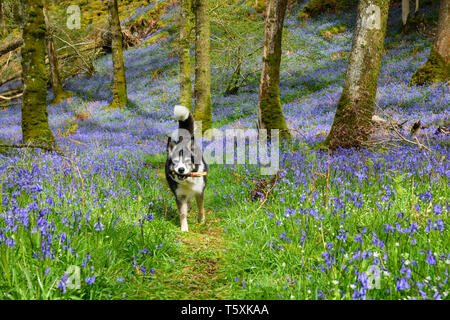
point(198, 174)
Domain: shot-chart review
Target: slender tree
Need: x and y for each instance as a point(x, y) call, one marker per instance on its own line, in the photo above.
point(270, 114)
point(352, 121)
point(405, 11)
point(35, 127)
point(185, 55)
point(202, 85)
point(120, 98)
point(58, 90)
point(437, 67)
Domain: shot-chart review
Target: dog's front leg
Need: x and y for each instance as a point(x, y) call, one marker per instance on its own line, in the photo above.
point(183, 211)
point(201, 210)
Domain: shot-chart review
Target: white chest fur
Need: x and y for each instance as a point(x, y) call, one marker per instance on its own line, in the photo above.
point(190, 187)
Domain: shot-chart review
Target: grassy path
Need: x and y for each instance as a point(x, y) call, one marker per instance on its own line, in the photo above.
point(200, 265)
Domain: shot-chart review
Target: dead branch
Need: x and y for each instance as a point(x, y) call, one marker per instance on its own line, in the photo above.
point(37, 146)
point(15, 76)
point(88, 66)
point(11, 98)
point(393, 134)
point(10, 46)
point(274, 181)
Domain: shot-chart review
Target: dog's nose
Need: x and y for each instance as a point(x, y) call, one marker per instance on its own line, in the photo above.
point(180, 170)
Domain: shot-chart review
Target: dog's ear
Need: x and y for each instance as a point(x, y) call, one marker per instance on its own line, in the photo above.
point(170, 145)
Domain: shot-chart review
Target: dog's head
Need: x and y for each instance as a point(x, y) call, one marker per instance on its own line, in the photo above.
point(181, 156)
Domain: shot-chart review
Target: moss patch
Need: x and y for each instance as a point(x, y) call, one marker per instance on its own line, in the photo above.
point(317, 7)
point(434, 70)
point(330, 31)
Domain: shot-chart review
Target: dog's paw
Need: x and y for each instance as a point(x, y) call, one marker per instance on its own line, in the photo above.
point(201, 220)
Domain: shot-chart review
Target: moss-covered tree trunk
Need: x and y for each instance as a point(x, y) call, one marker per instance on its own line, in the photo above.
point(35, 127)
point(352, 121)
point(2, 20)
point(259, 5)
point(270, 114)
point(185, 54)
point(55, 78)
point(120, 98)
point(202, 85)
point(437, 67)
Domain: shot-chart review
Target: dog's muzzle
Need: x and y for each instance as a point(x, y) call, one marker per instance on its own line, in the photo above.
point(179, 176)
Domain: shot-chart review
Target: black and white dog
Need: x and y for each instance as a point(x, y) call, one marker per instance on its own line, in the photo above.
point(185, 167)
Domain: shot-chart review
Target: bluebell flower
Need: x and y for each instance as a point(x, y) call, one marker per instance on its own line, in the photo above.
point(431, 259)
point(402, 284)
point(62, 282)
point(90, 280)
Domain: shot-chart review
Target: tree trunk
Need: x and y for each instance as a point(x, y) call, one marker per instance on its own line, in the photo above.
point(352, 122)
point(35, 127)
point(405, 11)
point(202, 85)
point(120, 98)
point(270, 114)
point(185, 54)
point(18, 11)
point(259, 5)
point(417, 6)
point(2, 20)
point(437, 67)
point(58, 91)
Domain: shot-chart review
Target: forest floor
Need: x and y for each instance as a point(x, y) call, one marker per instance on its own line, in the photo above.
point(355, 224)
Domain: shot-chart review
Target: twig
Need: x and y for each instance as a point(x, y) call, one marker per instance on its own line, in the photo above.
point(398, 135)
point(266, 195)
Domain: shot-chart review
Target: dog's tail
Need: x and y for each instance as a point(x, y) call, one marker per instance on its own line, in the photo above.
point(185, 118)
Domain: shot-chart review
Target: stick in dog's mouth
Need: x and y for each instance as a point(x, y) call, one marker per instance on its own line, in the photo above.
point(190, 175)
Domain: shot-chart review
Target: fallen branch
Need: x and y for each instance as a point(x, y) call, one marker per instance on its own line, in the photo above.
point(394, 128)
point(11, 98)
point(10, 46)
point(15, 76)
point(88, 66)
point(26, 146)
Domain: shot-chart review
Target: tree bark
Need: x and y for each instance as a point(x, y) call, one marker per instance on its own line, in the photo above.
point(185, 54)
point(352, 121)
point(2, 20)
point(437, 67)
point(405, 11)
point(35, 127)
point(270, 114)
point(58, 90)
point(202, 85)
point(120, 98)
